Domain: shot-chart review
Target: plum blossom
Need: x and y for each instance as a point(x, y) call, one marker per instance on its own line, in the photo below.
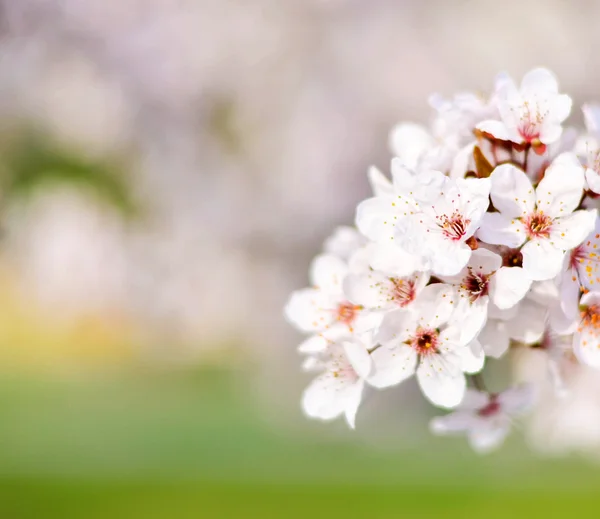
point(532, 114)
point(484, 243)
point(542, 222)
point(427, 341)
point(441, 229)
point(338, 389)
point(485, 418)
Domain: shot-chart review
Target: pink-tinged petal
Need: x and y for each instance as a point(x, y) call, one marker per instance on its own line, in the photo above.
point(570, 231)
point(570, 292)
point(560, 191)
point(392, 365)
point(542, 260)
point(443, 385)
point(508, 286)
point(488, 437)
point(591, 115)
point(380, 184)
point(408, 142)
point(539, 81)
point(353, 402)
point(590, 298)
point(586, 346)
point(457, 422)
point(517, 400)
point(474, 400)
point(495, 128)
point(592, 179)
point(327, 272)
point(494, 338)
point(310, 310)
point(359, 358)
point(512, 193)
point(498, 230)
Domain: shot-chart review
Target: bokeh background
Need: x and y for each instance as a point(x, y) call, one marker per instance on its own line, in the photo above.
point(168, 168)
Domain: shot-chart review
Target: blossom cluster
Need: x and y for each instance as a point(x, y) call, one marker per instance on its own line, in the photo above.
point(483, 241)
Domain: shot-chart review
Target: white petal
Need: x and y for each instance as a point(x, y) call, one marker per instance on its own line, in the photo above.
point(517, 399)
point(359, 358)
point(408, 141)
point(593, 180)
point(494, 338)
point(392, 365)
point(570, 231)
point(485, 261)
point(443, 387)
point(474, 400)
point(371, 290)
point(541, 260)
point(375, 218)
point(561, 189)
point(498, 230)
point(327, 272)
point(344, 242)
point(495, 128)
point(310, 310)
point(392, 259)
point(512, 193)
point(529, 324)
point(380, 184)
point(539, 81)
point(586, 346)
point(470, 318)
point(396, 327)
point(327, 396)
point(353, 399)
point(459, 421)
point(486, 439)
point(449, 257)
point(508, 286)
point(435, 305)
point(472, 357)
point(314, 344)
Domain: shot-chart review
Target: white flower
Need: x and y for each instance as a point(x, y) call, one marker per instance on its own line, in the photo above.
point(324, 308)
point(586, 341)
point(344, 242)
point(482, 280)
point(383, 217)
point(485, 418)
point(440, 230)
point(581, 272)
point(532, 114)
point(338, 389)
point(427, 340)
point(588, 147)
point(543, 221)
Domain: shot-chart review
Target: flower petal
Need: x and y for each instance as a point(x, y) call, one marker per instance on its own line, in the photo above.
point(541, 260)
point(560, 191)
point(494, 338)
point(380, 184)
point(310, 310)
point(495, 128)
point(570, 231)
point(359, 358)
point(512, 193)
point(443, 385)
point(327, 272)
point(508, 286)
point(392, 365)
point(499, 230)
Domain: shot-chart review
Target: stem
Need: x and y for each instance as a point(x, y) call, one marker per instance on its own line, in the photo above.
point(477, 381)
point(526, 158)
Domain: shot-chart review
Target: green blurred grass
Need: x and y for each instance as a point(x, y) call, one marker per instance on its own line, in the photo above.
point(196, 444)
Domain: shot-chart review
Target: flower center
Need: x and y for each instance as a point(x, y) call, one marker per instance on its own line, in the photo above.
point(492, 408)
point(403, 291)
point(531, 120)
point(512, 258)
point(454, 226)
point(538, 225)
point(476, 285)
point(346, 312)
point(425, 341)
point(590, 318)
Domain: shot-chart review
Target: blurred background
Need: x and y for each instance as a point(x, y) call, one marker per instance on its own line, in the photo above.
point(168, 168)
